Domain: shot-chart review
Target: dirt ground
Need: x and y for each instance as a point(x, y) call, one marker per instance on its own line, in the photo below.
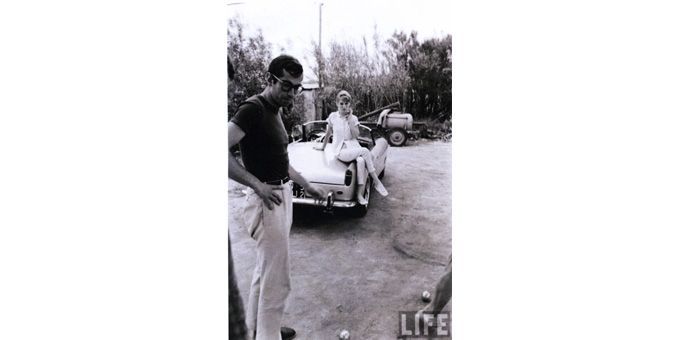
point(357, 273)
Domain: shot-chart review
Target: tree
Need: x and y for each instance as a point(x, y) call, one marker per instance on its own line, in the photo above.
point(251, 56)
point(430, 70)
point(374, 79)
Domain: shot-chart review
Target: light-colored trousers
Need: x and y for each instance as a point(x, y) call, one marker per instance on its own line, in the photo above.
point(364, 161)
point(271, 278)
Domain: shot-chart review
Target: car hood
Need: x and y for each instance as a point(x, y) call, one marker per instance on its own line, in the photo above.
point(317, 166)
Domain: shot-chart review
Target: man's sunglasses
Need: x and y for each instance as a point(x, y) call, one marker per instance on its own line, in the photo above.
point(287, 86)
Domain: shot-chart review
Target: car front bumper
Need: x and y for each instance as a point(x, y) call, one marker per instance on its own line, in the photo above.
point(324, 203)
point(330, 202)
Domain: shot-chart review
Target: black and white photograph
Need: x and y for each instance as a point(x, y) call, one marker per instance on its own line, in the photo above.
point(326, 169)
point(340, 129)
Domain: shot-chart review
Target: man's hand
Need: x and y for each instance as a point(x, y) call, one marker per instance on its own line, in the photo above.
point(315, 191)
point(269, 195)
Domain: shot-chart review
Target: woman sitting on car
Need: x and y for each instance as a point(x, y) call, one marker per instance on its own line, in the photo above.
point(345, 127)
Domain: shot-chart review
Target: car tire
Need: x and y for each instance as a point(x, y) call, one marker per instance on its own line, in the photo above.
point(397, 137)
point(361, 210)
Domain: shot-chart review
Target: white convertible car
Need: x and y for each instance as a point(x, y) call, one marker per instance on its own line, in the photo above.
point(338, 179)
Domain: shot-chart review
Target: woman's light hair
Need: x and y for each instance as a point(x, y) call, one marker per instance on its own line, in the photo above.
point(343, 94)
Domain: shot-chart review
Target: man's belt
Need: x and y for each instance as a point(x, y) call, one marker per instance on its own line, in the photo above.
point(278, 182)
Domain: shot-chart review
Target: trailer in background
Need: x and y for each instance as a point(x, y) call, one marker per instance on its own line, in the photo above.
point(396, 125)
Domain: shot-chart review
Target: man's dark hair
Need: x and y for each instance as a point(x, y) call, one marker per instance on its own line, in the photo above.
point(285, 62)
point(230, 69)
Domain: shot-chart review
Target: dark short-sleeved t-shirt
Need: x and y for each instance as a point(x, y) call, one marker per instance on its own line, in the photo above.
point(264, 148)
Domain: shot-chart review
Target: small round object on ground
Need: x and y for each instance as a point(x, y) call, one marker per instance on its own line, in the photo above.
point(426, 296)
point(344, 335)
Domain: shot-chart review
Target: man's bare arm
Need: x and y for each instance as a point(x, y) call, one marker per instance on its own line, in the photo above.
point(309, 188)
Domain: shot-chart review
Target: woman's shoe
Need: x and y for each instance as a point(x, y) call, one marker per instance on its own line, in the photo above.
point(380, 188)
point(361, 199)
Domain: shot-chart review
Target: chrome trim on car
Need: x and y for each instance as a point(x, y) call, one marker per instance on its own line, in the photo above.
point(311, 201)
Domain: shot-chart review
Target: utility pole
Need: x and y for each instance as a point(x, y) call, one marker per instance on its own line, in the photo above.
point(320, 52)
point(322, 104)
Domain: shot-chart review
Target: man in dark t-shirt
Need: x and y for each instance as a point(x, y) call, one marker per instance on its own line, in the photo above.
point(258, 129)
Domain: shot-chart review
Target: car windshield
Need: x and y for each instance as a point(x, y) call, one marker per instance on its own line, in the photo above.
point(364, 132)
point(315, 129)
point(316, 125)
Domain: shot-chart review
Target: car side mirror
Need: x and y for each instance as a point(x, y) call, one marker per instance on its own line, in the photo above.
point(295, 133)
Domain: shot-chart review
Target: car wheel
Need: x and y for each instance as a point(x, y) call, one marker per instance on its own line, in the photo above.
point(361, 210)
point(397, 137)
